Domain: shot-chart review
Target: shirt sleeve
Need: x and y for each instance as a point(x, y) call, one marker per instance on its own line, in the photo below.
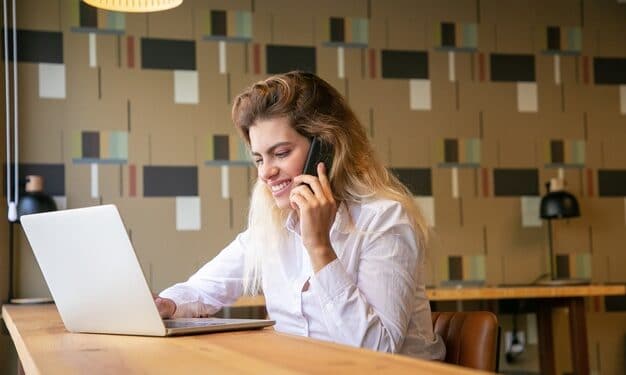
point(373, 310)
point(218, 283)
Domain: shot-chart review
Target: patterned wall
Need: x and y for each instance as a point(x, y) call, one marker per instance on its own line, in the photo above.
point(474, 104)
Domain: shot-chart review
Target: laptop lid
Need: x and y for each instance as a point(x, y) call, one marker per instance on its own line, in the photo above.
point(94, 276)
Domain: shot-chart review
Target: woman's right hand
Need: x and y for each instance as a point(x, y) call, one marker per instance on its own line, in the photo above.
point(166, 307)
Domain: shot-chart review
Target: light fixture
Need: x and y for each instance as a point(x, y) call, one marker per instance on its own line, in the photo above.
point(134, 6)
point(558, 204)
point(32, 201)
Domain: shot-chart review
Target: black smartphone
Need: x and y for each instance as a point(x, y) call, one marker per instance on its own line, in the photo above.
point(319, 152)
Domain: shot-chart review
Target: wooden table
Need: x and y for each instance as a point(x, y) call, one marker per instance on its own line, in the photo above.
point(571, 297)
point(44, 346)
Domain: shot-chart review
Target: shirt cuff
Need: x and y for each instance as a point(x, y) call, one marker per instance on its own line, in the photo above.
point(331, 282)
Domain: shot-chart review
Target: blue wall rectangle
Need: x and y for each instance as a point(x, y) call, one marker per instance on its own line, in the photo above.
point(515, 182)
point(418, 180)
point(170, 181)
point(168, 54)
point(404, 64)
point(282, 59)
point(512, 68)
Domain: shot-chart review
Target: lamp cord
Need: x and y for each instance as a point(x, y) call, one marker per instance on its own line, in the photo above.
point(11, 261)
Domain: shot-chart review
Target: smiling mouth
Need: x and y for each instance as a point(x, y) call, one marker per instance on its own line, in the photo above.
point(280, 188)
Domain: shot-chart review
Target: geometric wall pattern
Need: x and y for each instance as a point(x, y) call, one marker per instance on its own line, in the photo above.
point(473, 106)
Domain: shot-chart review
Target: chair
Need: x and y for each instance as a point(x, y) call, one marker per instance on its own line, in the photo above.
point(471, 338)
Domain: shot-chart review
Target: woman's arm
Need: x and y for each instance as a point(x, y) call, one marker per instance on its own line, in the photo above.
point(374, 310)
point(218, 283)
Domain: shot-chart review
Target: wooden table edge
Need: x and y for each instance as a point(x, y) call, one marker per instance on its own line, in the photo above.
point(23, 354)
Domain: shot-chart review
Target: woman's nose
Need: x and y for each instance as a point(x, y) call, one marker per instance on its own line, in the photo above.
point(267, 171)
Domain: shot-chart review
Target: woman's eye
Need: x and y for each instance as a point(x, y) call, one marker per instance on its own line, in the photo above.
point(258, 161)
point(282, 154)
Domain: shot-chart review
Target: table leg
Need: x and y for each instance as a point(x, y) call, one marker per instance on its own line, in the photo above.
point(578, 336)
point(546, 344)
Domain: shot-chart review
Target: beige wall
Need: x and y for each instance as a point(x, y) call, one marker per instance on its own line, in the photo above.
point(165, 133)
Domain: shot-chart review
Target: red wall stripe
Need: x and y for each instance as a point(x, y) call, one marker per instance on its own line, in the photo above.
point(256, 58)
point(130, 51)
point(586, 69)
point(132, 180)
point(481, 67)
point(590, 182)
point(485, 175)
point(372, 61)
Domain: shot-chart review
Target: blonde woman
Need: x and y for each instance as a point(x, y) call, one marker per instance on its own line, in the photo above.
point(338, 257)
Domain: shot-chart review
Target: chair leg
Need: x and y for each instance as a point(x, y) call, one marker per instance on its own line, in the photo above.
point(498, 349)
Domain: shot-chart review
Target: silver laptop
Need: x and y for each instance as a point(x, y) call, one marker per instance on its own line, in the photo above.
point(94, 276)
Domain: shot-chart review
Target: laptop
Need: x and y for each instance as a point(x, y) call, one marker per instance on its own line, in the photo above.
point(94, 276)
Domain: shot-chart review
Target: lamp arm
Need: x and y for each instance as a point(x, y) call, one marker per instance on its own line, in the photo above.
point(15, 111)
point(7, 112)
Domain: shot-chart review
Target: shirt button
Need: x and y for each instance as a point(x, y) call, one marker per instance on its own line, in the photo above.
point(329, 306)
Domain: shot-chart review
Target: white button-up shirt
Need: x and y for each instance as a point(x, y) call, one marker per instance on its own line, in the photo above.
point(371, 296)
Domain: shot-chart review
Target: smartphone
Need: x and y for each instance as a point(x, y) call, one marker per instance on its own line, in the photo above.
point(319, 152)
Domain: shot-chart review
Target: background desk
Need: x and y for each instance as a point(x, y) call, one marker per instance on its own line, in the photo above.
point(44, 346)
point(571, 297)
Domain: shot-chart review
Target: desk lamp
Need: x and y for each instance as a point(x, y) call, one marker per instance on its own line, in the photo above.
point(33, 200)
point(557, 204)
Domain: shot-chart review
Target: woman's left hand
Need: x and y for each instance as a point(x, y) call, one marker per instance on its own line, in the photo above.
point(316, 208)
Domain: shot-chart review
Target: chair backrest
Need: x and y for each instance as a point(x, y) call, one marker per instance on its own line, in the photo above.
point(471, 338)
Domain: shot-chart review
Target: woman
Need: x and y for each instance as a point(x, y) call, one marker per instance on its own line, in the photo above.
point(339, 257)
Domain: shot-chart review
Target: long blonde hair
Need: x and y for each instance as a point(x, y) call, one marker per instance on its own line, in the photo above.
point(314, 108)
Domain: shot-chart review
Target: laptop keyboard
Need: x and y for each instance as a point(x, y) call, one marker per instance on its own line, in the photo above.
point(194, 323)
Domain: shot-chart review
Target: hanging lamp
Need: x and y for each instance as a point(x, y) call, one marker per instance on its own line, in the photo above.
point(134, 6)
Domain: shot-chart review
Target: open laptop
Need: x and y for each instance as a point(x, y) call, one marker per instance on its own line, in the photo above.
point(94, 276)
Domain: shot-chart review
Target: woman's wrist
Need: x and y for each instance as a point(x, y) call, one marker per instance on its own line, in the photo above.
point(321, 256)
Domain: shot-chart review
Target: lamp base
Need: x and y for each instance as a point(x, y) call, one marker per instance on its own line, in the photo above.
point(31, 301)
point(563, 282)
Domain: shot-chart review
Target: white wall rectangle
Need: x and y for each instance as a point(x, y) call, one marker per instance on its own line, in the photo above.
point(451, 66)
point(527, 97)
point(222, 56)
point(93, 61)
point(225, 182)
point(95, 191)
point(455, 182)
point(530, 211)
point(188, 213)
point(186, 86)
point(427, 206)
point(557, 69)
point(420, 94)
point(341, 63)
point(52, 81)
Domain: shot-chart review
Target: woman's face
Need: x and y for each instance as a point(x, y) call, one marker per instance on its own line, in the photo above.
point(279, 153)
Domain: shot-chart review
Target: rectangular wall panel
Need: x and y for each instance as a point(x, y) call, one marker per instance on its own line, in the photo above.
point(38, 46)
point(282, 59)
point(170, 181)
point(168, 54)
point(418, 180)
point(515, 182)
point(404, 64)
point(609, 70)
point(611, 183)
point(512, 68)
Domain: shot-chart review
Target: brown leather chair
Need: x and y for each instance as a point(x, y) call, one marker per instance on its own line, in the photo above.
point(471, 338)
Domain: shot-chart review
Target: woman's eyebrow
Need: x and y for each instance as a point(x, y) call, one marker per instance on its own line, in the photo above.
point(272, 148)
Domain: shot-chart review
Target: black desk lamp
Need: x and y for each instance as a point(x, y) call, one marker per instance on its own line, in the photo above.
point(33, 200)
point(557, 204)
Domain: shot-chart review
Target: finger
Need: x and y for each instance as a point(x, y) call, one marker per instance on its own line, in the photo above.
point(297, 200)
point(324, 182)
point(306, 192)
point(313, 185)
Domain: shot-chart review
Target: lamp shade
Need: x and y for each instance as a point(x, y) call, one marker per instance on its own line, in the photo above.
point(135, 6)
point(559, 205)
point(34, 200)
